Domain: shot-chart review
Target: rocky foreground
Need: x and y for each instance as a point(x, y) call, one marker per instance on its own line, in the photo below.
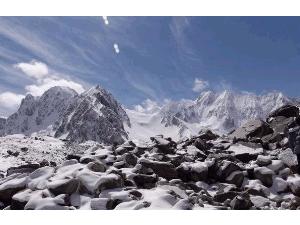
point(252, 168)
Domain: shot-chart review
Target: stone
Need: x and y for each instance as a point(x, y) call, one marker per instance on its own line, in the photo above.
point(162, 169)
point(241, 203)
point(226, 168)
point(163, 145)
point(11, 185)
point(130, 159)
point(99, 203)
point(294, 184)
point(265, 175)
point(109, 181)
point(236, 177)
point(207, 135)
point(263, 160)
point(197, 171)
point(286, 111)
point(64, 186)
point(145, 181)
point(276, 166)
point(289, 159)
point(253, 128)
point(259, 201)
point(96, 166)
point(27, 168)
point(284, 173)
point(279, 185)
point(221, 197)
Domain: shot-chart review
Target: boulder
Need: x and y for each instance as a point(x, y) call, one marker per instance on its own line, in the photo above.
point(289, 159)
point(165, 146)
point(193, 171)
point(294, 184)
point(109, 181)
point(226, 168)
point(236, 177)
point(207, 135)
point(96, 166)
point(221, 197)
point(263, 160)
point(259, 201)
point(276, 166)
point(241, 203)
point(145, 181)
point(286, 111)
point(130, 159)
point(11, 185)
point(162, 169)
point(63, 186)
point(99, 203)
point(253, 128)
point(265, 175)
point(279, 185)
point(28, 168)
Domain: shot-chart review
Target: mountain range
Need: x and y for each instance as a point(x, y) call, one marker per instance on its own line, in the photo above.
point(96, 115)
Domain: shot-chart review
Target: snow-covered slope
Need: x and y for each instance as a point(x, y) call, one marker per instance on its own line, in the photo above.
point(41, 113)
point(221, 112)
point(94, 115)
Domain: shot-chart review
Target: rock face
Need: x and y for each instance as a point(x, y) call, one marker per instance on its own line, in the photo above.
point(286, 111)
point(94, 115)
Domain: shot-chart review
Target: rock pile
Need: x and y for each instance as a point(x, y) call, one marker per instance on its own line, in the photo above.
point(253, 168)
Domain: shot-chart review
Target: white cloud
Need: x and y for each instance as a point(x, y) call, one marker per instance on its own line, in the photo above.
point(34, 69)
point(45, 84)
point(147, 106)
point(200, 85)
point(116, 47)
point(105, 19)
point(44, 78)
point(10, 100)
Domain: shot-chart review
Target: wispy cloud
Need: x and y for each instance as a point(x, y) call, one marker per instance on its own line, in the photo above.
point(9, 101)
point(105, 19)
point(200, 85)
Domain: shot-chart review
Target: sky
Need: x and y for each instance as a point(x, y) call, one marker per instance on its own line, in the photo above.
point(156, 58)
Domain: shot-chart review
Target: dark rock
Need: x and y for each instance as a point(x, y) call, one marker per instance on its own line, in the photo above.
point(13, 153)
point(263, 160)
point(64, 186)
point(145, 181)
point(253, 128)
point(286, 111)
point(245, 157)
point(130, 159)
point(28, 168)
point(162, 169)
point(24, 149)
point(96, 167)
point(265, 175)
point(193, 172)
point(72, 156)
point(207, 135)
point(163, 145)
point(226, 168)
point(221, 197)
point(241, 203)
point(44, 163)
point(236, 177)
point(112, 203)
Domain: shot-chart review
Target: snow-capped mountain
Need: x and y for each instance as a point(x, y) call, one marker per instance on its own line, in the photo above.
point(61, 112)
point(221, 112)
point(94, 115)
point(40, 113)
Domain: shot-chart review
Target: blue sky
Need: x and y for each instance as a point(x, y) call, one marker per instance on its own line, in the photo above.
point(158, 57)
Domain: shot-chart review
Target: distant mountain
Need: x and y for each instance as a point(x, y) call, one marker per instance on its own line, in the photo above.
point(221, 112)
